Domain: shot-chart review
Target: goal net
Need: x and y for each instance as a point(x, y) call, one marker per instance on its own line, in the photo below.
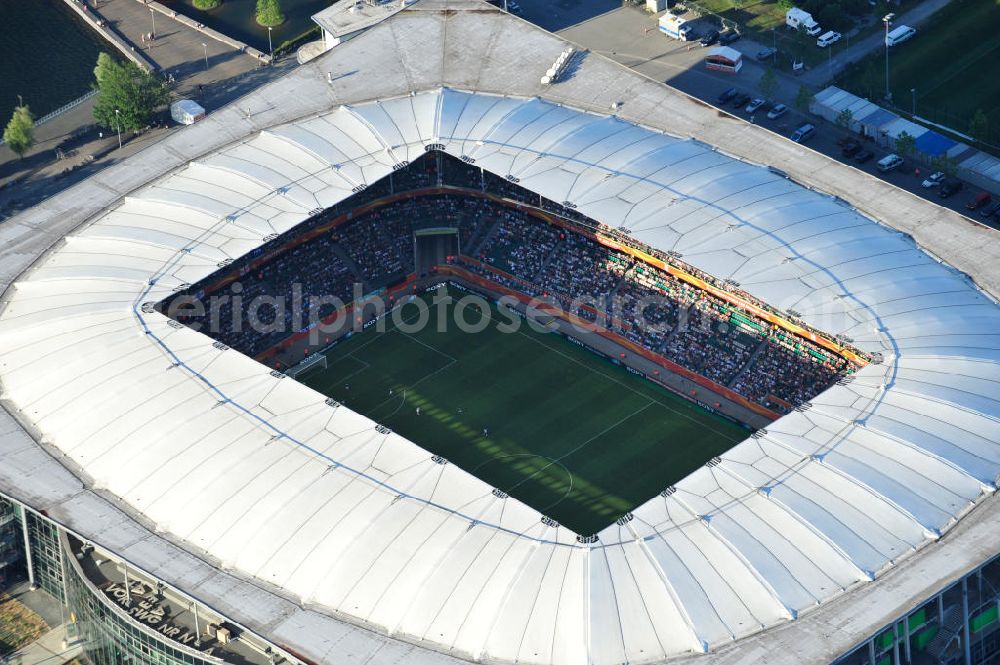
point(312, 362)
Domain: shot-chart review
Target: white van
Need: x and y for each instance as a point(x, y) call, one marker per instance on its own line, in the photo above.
point(828, 38)
point(803, 133)
point(899, 35)
point(889, 162)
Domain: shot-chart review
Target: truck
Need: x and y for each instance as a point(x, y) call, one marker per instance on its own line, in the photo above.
point(676, 28)
point(799, 18)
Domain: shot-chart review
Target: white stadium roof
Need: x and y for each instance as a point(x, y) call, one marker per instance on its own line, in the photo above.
point(261, 477)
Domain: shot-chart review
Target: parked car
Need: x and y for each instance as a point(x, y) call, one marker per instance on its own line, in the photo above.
point(729, 36)
point(728, 95)
point(991, 211)
point(933, 180)
point(889, 162)
point(803, 133)
point(740, 100)
point(949, 187)
point(755, 104)
point(710, 38)
point(778, 111)
point(828, 38)
point(766, 53)
point(978, 201)
point(850, 149)
point(863, 156)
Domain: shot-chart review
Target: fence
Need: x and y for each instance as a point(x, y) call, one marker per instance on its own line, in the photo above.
point(63, 109)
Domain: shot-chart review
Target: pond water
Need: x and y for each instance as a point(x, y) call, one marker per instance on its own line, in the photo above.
point(236, 19)
point(47, 56)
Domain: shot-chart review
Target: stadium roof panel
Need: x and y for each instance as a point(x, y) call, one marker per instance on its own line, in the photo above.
point(328, 511)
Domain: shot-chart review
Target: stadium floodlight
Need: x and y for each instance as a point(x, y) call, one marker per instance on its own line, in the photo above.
point(887, 19)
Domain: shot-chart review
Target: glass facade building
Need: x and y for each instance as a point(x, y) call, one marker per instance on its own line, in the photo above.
point(113, 637)
point(46, 555)
point(958, 626)
point(11, 546)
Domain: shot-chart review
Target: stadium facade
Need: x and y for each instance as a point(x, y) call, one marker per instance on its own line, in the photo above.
point(850, 529)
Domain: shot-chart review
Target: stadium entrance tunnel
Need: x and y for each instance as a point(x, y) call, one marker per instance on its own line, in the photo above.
point(553, 357)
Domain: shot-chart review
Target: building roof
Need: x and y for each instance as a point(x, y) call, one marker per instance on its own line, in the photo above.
point(878, 117)
point(260, 478)
point(934, 144)
point(727, 52)
point(347, 17)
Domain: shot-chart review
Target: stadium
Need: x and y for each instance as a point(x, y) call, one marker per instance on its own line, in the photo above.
point(409, 357)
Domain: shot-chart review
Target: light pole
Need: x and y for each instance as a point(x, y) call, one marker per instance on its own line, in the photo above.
point(205, 46)
point(270, 49)
point(887, 19)
point(118, 126)
point(913, 98)
point(152, 17)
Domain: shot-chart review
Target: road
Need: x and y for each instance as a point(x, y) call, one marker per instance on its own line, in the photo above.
point(630, 36)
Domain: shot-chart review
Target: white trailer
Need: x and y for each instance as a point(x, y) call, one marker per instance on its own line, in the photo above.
point(675, 27)
point(799, 18)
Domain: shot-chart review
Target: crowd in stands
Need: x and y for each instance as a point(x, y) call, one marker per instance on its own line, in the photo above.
point(381, 242)
point(523, 251)
point(520, 246)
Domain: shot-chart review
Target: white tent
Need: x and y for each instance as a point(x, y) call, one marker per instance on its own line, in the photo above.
point(186, 111)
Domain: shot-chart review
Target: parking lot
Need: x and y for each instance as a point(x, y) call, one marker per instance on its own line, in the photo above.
point(631, 36)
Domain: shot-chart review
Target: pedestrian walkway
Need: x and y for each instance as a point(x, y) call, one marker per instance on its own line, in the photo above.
point(52, 648)
point(176, 49)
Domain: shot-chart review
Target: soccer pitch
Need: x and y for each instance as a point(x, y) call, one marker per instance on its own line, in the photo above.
point(569, 433)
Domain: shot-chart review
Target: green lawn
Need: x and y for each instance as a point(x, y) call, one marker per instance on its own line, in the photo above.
point(952, 66)
point(569, 433)
point(764, 21)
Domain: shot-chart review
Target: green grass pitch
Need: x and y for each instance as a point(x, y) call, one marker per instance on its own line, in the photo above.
point(572, 435)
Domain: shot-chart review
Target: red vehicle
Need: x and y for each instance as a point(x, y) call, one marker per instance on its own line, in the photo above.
point(978, 201)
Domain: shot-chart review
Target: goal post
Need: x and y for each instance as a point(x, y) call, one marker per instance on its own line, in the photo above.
point(312, 362)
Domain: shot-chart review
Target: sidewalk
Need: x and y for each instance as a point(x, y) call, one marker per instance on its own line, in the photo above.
point(48, 650)
point(177, 48)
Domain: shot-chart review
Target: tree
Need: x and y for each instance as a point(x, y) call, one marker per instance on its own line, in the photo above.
point(979, 126)
point(269, 13)
point(845, 119)
point(105, 63)
point(768, 83)
point(945, 164)
point(786, 5)
point(906, 145)
point(128, 96)
point(803, 98)
point(871, 77)
point(19, 134)
point(832, 17)
point(207, 4)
